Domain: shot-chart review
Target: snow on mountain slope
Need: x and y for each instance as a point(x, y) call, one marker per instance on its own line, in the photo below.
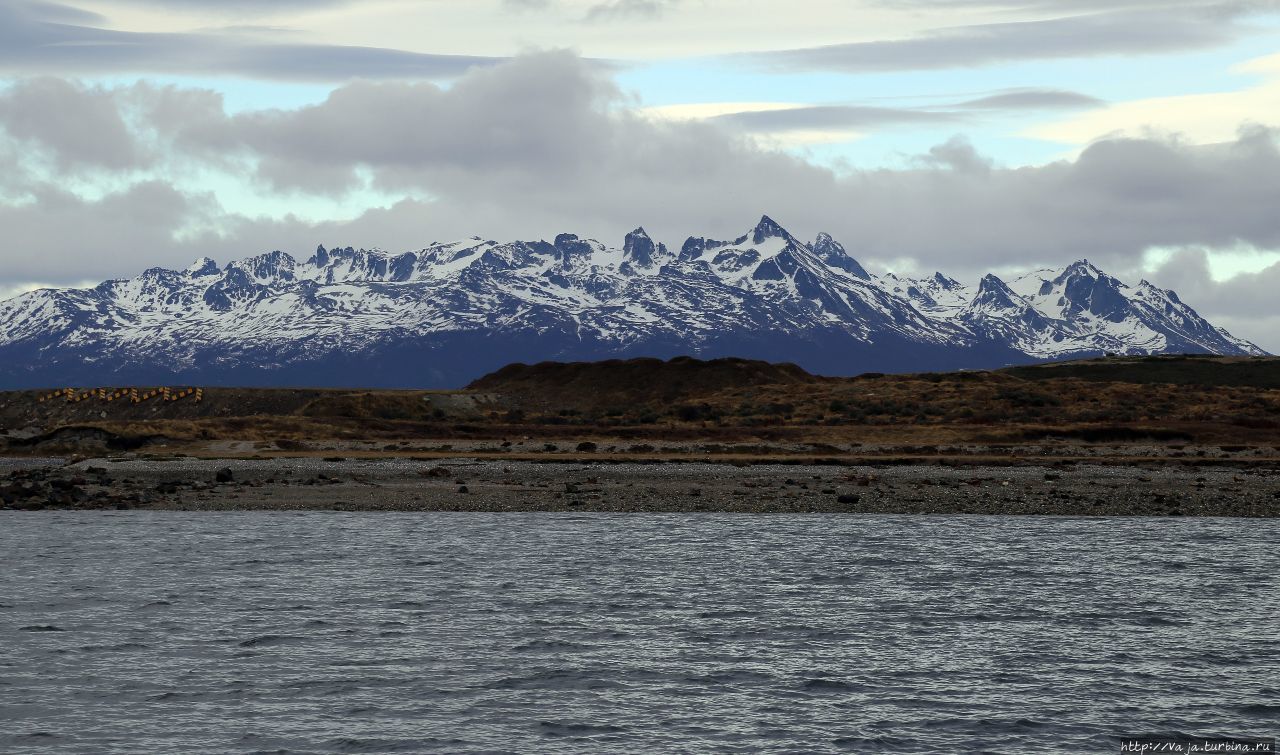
point(937, 296)
point(1104, 311)
point(450, 311)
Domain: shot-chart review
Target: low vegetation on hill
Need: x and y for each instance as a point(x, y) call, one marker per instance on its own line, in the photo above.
point(1169, 400)
point(614, 386)
point(1192, 369)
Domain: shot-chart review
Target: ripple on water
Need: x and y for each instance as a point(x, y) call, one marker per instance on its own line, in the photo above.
point(565, 729)
point(271, 640)
point(121, 647)
point(161, 632)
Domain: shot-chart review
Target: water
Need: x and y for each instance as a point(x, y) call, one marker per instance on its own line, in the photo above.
point(325, 632)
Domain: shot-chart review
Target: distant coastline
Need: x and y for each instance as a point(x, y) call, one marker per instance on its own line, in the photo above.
point(1169, 436)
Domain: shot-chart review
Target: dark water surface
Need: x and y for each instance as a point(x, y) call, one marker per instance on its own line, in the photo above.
point(155, 632)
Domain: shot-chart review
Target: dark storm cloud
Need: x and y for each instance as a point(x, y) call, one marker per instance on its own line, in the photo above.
point(1031, 99)
point(1109, 33)
point(37, 37)
point(830, 117)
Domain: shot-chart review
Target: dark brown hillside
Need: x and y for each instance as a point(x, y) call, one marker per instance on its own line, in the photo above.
point(1190, 369)
point(21, 408)
point(1229, 403)
point(624, 384)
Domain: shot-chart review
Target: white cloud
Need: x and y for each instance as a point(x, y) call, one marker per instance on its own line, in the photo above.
point(1244, 304)
point(695, 111)
point(1196, 118)
point(777, 140)
point(546, 143)
point(321, 39)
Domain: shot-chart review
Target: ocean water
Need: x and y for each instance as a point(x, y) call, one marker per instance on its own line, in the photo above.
point(151, 632)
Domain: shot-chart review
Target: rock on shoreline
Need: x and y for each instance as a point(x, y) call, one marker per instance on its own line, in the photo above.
point(1065, 489)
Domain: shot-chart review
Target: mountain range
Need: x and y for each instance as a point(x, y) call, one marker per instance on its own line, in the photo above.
point(450, 312)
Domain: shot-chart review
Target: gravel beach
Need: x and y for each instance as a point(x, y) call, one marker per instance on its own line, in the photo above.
point(462, 484)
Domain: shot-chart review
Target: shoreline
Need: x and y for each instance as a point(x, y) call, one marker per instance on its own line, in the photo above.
point(903, 485)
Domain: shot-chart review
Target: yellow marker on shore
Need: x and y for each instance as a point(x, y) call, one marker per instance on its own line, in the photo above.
point(135, 395)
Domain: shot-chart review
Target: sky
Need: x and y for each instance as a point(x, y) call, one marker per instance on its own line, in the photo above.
point(953, 135)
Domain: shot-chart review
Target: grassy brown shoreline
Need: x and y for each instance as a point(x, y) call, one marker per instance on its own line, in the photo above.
point(1164, 435)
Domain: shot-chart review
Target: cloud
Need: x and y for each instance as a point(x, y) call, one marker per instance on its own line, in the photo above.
point(1252, 294)
point(614, 10)
point(526, 5)
point(1201, 118)
point(1032, 99)
point(546, 143)
point(1209, 7)
point(61, 237)
point(1244, 304)
point(51, 37)
point(828, 117)
point(39, 37)
point(785, 118)
point(237, 7)
point(957, 154)
point(56, 12)
point(78, 126)
point(704, 110)
point(541, 116)
point(1108, 33)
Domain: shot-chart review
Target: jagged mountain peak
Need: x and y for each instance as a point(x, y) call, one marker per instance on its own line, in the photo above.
point(338, 254)
point(768, 228)
point(276, 257)
point(1081, 267)
point(638, 248)
point(833, 254)
point(571, 249)
point(946, 283)
point(994, 292)
point(270, 267)
point(993, 282)
point(202, 267)
point(450, 311)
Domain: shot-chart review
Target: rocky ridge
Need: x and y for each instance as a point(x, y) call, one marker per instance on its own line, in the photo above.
point(450, 312)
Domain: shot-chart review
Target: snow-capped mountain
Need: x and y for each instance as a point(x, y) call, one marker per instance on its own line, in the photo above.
point(444, 314)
